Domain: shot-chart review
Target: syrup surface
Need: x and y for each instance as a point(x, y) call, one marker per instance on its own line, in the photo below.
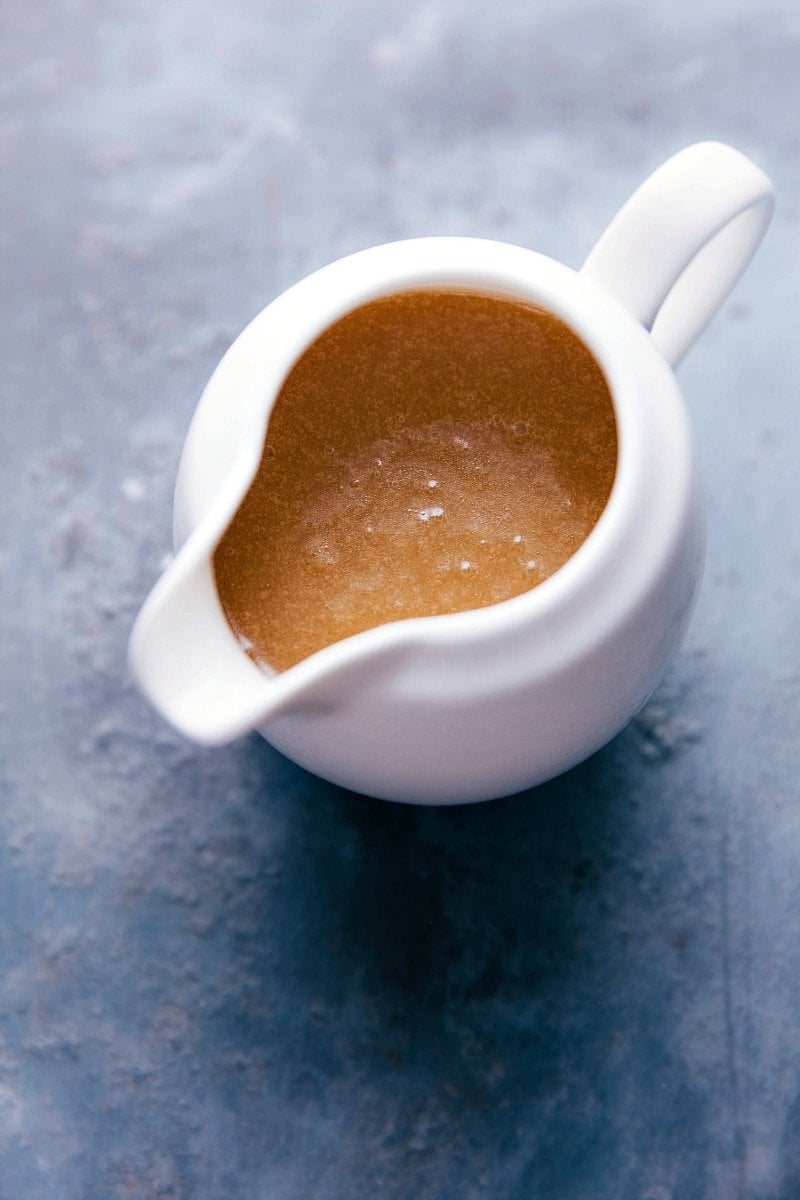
point(431, 452)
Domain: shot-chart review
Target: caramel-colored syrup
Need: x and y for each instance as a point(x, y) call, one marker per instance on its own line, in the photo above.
point(431, 452)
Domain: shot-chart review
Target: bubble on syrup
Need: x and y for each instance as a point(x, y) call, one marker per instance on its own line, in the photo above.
point(465, 564)
point(531, 564)
point(428, 514)
point(517, 539)
point(461, 441)
point(519, 428)
point(323, 551)
point(433, 483)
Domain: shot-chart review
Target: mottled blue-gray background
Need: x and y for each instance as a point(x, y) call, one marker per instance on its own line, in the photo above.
point(220, 978)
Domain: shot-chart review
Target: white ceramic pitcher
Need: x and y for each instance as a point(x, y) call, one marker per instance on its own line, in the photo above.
point(464, 707)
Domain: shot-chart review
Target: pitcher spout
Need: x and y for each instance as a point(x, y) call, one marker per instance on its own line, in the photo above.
point(185, 658)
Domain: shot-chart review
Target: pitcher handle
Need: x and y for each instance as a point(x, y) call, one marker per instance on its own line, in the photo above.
point(677, 247)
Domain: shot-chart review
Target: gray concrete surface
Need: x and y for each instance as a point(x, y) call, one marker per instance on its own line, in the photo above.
point(220, 978)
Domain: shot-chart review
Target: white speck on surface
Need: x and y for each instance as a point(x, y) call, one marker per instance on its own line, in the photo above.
point(433, 483)
point(517, 538)
point(663, 733)
point(133, 489)
point(531, 564)
point(12, 1109)
point(427, 514)
point(465, 564)
point(206, 177)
